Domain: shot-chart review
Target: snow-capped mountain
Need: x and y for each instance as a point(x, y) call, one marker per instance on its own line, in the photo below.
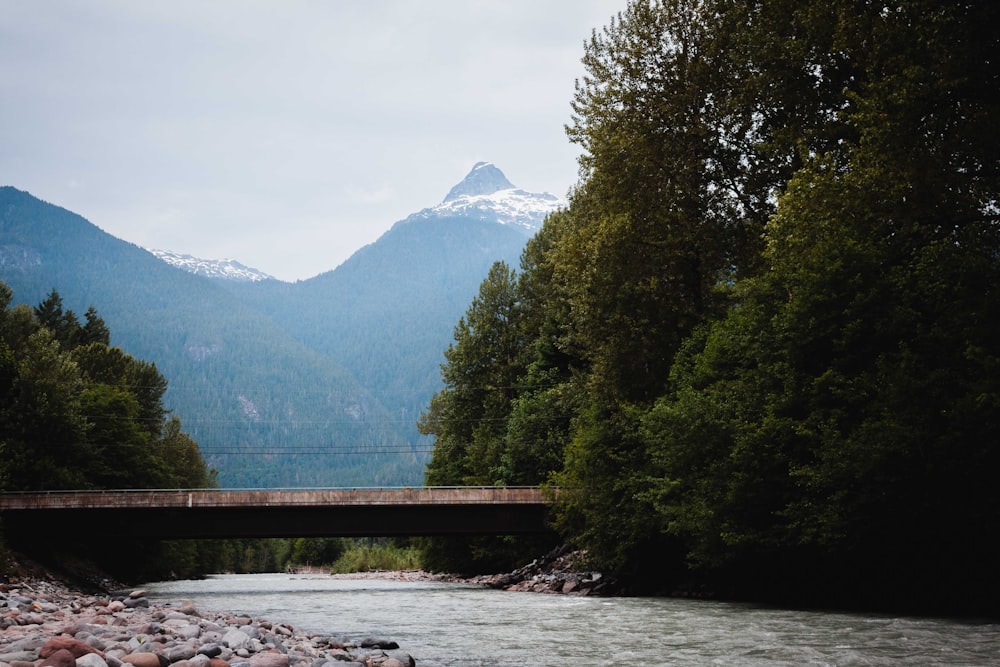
point(483, 195)
point(486, 194)
point(227, 269)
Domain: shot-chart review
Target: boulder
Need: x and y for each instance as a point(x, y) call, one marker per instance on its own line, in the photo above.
point(63, 643)
point(269, 659)
point(60, 658)
point(139, 643)
point(236, 640)
point(182, 630)
point(384, 644)
point(91, 660)
point(179, 652)
point(405, 658)
point(142, 659)
point(187, 607)
point(212, 650)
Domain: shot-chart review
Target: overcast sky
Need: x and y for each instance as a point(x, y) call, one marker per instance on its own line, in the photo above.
point(284, 134)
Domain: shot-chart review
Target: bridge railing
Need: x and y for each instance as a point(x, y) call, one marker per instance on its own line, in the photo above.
point(180, 498)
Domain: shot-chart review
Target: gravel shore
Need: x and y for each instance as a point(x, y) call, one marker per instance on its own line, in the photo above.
point(46, 624)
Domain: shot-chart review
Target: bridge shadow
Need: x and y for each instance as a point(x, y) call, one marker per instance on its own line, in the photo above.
point(201, 514)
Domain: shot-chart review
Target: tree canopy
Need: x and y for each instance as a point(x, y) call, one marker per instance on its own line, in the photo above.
point(758, 349)
point(79, 414)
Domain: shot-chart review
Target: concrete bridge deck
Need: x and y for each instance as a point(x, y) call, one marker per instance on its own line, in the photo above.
point(364, 512)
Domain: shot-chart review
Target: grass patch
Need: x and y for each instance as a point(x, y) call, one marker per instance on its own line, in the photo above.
point(363, 557)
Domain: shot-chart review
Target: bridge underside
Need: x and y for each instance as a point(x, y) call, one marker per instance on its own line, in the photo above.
point(216, 513)
point(357, 521)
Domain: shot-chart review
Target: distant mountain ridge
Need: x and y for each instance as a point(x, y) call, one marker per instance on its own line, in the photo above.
point(388, 312)
point(313, 383)
point(227, 269)
point(484, 194)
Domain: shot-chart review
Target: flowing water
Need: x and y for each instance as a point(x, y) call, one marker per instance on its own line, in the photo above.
point(449, 625)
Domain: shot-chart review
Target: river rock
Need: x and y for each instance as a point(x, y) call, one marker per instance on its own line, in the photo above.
point(269, 659)
point(187, 608)
point(60, 658)
point(130, 631)
point(211, 649)
point(91, 660)
point(178, 653)
point(403, 657)
point(19, 656)
point(182, 629)
point(74, 646)
point(236, 640)
point(142, 659)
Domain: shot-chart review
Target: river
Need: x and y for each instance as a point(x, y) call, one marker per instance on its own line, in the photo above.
point(444, 625)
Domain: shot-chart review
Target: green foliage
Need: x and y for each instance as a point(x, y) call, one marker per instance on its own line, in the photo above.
point(761, 338)
point(362, 556)
point(78, 414)
point(467, 416)
point(316, 551)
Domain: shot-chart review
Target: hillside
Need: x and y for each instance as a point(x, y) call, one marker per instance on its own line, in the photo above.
point(258, 402)
point(314, 383)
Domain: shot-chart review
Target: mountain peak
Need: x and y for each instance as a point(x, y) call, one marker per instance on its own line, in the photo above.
point(484, 179)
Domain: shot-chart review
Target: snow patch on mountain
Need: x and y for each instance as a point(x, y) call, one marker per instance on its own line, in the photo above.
point(226, 269)
point(486, 194)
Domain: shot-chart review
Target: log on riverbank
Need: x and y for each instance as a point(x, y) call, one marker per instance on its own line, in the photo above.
point(45, 624)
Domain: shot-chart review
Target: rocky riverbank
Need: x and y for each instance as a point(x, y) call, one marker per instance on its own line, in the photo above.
point(560, 571)
point(45, 624)
point(563, 570)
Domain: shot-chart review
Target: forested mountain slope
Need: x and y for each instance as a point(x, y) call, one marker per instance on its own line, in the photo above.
point(388, 312)
point(314, 383)
point(251, 395)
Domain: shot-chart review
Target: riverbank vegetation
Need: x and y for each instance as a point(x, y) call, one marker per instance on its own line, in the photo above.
point(759, 349)
point(76, 413)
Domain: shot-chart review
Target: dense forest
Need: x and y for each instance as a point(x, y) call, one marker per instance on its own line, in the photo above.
point(759, 350)
point(76, 413)
point(80, 414)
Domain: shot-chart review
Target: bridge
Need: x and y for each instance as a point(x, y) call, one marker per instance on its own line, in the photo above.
point(218, 513)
